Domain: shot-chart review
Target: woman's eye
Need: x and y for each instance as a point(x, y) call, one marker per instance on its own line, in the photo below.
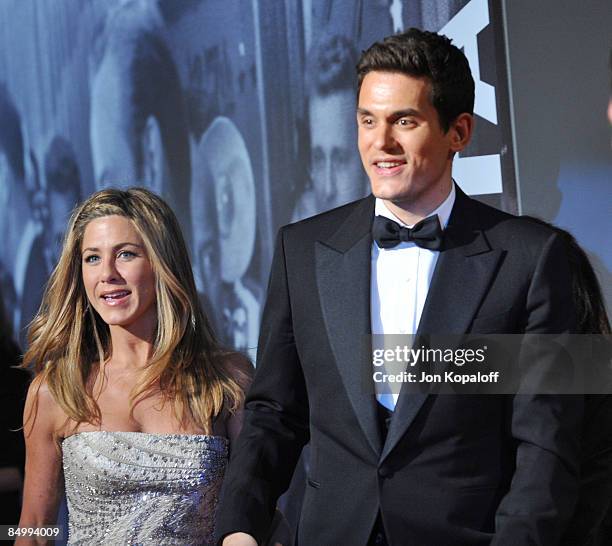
point(126, 254)
point(92, 258)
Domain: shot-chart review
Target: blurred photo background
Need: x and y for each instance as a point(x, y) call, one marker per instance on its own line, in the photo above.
point(240, 113)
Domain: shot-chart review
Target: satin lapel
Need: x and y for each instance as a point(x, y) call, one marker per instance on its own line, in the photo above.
point(463, 273)
point(343, 280)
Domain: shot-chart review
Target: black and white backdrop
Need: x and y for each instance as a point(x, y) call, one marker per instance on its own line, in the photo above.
point(239, 112)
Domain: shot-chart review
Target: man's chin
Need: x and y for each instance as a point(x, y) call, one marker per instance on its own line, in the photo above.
point(392, 195)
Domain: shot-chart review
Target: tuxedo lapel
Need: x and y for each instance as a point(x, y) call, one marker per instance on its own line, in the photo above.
point(343, 281)
point(463, 273)
point(462, 276)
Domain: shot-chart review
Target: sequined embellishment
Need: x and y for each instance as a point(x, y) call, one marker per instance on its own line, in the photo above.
point(138, 488)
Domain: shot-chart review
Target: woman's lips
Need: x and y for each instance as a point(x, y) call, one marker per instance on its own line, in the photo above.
point(115, 298)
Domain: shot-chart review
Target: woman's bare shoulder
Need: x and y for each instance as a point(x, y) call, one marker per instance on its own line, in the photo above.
point(41, 408)
point(39, 392)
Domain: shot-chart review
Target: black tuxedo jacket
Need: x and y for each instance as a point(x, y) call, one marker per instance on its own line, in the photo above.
point(454, 469)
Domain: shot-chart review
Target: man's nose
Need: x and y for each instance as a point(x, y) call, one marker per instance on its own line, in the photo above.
point(384, 139)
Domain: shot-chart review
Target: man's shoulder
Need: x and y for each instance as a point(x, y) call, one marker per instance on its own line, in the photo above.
point(507, 227)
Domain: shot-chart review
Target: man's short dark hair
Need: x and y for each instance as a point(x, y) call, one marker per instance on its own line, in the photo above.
point(423, 54)
point(330, 65)
point(11, 137)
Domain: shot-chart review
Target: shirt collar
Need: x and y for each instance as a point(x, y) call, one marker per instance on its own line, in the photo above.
point(443, 210)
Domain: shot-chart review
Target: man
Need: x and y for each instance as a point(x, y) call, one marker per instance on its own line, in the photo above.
point(223, 189)
point(336, 177)
point(420, 469)
point(138, 128)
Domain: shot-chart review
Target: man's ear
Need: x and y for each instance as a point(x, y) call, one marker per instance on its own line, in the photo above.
point(461, 131)
point(152, 156)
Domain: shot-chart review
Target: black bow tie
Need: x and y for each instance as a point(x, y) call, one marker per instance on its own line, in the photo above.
point(427, 233)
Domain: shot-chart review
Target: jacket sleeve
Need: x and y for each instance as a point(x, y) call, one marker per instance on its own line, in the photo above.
point(546, 427)
point(276, 419)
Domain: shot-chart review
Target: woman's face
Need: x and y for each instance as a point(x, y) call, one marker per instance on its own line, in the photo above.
point(117, 275)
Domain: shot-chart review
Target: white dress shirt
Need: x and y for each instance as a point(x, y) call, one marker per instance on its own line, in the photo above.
point(399, 284)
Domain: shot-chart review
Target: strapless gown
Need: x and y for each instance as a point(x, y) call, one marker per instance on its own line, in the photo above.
point(139, 488)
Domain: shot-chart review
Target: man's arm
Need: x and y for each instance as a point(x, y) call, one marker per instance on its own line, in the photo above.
point(547, 428)
point(275, 420)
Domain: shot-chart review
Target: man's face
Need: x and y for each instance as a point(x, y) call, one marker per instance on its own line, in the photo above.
point(404, 150)
point(109, 129)
point(335, 169)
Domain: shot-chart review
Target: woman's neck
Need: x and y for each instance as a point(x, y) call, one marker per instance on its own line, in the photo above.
point(130, 348)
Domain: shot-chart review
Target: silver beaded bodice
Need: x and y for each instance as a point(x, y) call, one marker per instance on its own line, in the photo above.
point(138, 488)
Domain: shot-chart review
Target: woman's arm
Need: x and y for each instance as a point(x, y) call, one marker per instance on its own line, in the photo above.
point(44, 482)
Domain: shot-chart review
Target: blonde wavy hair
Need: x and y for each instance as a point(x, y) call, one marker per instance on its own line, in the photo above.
point(69, 341)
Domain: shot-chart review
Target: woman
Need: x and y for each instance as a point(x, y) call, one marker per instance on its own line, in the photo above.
point(132, 392)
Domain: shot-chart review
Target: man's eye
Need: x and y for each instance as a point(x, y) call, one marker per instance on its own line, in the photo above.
point(405, 122)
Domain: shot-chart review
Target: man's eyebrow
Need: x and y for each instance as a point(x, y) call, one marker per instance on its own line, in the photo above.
point(116, 247)
point(406, 113)
point(394, 115)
